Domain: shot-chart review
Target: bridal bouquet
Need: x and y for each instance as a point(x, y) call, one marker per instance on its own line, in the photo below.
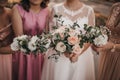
point(96, 35)
point(66, 40)
point(28, 44)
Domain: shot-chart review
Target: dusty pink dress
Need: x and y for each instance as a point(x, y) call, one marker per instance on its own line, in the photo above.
point(28, 67)
point(5, 59)
point(109, 65)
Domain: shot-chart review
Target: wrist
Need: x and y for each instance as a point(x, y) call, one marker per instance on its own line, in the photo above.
point(113, 48)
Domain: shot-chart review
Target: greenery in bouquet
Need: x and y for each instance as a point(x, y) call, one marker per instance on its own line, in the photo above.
point(20, 43)
point(97, 35)
point(69, 39)
point(65, 39)
point(27, 44)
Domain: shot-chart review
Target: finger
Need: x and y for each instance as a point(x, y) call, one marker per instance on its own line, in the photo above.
point(71, 55)
point(74, 59)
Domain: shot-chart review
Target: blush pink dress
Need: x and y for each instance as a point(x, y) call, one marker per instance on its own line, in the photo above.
point(6, 36)
point(29, 67)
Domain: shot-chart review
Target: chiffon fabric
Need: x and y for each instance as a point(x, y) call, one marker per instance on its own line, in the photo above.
point(64, 69)
point(29, 67)
point(109, 65)
point(6, 36)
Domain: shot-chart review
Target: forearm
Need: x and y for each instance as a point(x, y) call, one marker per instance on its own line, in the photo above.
point(86, 46)
point(5, 50)
point(117, 46)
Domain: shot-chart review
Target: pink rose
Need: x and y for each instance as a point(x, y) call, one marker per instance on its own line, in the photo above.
point(72, 40)
point(77, 49)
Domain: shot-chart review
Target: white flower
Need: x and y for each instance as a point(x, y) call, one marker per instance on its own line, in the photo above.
point(73, 32)
point(97, 31)
point(48, 43)
point(34, 39)
point(15, 39)
point(23, 37)
point(59, 30)
point(101, 40)
point(77, 49)
point(15, 46)
point(54, 38)
point(87, 35)
point(32, 46)
point(23, 50)
point(60, 47)
point(21, 42)
point(93, 30)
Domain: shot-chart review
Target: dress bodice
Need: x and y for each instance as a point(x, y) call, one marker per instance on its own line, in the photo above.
point(33, 23)
point(111, 24)
point(84, 15)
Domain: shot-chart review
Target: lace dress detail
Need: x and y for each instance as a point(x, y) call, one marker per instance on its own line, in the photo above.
point(110, 60)
point(115, 29)
point(84, 15)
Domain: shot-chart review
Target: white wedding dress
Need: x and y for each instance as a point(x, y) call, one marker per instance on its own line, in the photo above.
point(63, 69)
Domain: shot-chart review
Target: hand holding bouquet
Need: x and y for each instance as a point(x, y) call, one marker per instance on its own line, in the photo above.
point(66, 40)
point(96, 35)
point(27, 44)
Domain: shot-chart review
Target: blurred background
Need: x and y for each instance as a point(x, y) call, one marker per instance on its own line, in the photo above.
point(101, 7)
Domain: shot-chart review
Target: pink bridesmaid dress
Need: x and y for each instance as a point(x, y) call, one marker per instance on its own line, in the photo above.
point(29, 67)
point(6, 59)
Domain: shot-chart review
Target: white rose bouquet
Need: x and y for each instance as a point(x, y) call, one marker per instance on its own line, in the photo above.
point(96, 35)
point(20, 43)
point(35, 44)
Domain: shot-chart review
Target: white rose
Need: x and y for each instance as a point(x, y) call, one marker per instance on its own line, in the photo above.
point(77, 49)
point(15, 46)
point(101, 40)
point(21, 42)
point(60, 47)
point(34, 39)
point(48, 43)
point(59, 30)
point(23, 50)
point(23, 37)
point(15, 39)
point(32, 46)
point(93, 30)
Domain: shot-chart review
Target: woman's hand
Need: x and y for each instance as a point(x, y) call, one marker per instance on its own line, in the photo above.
point(67, 55)
point(108, 46)
point(74, 57)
